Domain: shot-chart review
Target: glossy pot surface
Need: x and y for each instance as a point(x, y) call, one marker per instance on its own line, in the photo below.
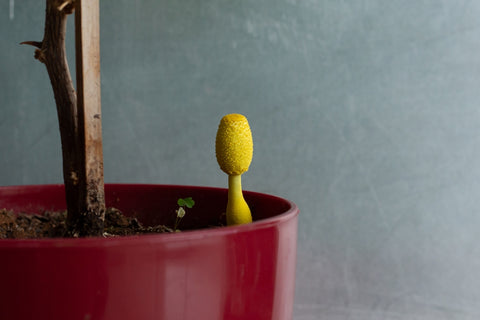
point(239, 272)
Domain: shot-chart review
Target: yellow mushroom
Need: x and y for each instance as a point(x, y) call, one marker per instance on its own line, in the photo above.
point(234, 150)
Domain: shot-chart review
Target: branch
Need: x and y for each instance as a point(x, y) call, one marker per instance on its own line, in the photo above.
point(51, 51)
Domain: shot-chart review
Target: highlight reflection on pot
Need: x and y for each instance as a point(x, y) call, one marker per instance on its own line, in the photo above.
point(234, 151)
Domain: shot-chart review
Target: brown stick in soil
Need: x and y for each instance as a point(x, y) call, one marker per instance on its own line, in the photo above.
point(79, 121)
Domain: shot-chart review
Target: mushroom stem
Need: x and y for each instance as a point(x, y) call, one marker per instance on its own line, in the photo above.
point(238, 211)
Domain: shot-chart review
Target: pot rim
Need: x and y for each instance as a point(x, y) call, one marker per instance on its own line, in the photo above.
point(187, 235)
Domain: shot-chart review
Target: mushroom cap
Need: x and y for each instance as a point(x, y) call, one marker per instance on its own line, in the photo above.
point(234, 144)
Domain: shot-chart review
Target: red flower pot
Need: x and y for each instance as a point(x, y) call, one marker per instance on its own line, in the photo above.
point(239, 272)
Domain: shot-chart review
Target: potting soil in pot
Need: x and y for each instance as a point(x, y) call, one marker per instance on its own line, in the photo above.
point(53, 225)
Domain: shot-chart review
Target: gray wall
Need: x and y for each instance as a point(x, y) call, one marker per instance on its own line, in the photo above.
point(366, 113)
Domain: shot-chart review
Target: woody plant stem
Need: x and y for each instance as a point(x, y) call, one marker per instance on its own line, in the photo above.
point(78, 112)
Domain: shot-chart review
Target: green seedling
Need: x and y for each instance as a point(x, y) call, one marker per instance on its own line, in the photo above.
point(182, 203)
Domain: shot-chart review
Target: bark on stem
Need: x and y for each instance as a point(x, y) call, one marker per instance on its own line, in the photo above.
point(85, 197)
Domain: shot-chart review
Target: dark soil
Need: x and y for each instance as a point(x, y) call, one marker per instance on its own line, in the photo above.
point(53, 225)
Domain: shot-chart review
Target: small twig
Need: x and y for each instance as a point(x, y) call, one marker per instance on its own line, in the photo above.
point(68, 5)
point(37, 44)
point(63, 5)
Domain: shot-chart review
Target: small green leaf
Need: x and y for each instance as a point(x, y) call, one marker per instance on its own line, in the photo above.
point(186, 202)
